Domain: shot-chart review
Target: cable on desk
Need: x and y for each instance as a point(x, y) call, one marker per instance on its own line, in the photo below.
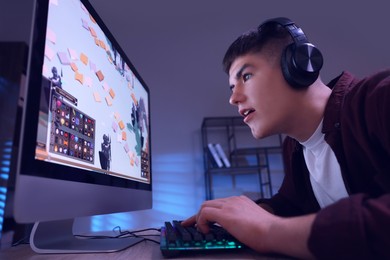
point(122, 234)
point(126, 234)
point(23, 241)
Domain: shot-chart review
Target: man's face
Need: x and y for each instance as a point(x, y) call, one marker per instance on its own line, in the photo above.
point(261, 94)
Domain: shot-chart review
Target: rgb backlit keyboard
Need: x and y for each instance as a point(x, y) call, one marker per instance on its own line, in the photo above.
point(176, 239)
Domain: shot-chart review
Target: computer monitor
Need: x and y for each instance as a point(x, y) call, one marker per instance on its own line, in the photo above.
point(85, 146)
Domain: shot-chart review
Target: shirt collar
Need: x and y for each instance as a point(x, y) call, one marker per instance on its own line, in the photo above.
point(339, 86)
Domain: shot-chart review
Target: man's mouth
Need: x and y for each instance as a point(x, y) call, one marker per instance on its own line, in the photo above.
point(247, 112)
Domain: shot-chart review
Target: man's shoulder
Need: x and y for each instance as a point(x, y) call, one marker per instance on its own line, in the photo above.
point(347, 78)
point(348, 85)
point(379, 79)
point(378, 82)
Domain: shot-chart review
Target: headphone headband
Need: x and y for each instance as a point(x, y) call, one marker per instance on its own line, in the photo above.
point(295, 31)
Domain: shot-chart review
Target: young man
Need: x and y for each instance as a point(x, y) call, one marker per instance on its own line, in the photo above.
point(334, 201)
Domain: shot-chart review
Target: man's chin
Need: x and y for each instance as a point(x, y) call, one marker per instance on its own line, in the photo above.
point(256, 134)
point(259, 134)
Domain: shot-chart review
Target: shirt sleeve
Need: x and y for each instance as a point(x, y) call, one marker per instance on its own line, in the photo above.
point(357, 227)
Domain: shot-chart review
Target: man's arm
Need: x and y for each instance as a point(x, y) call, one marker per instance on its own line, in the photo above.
point(289, 236)
point(356, 227)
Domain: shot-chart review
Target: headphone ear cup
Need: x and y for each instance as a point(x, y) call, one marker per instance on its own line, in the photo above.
point(301, 64)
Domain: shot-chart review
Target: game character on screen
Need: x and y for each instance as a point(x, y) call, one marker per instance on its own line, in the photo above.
point(55, 79)
point(105, 153)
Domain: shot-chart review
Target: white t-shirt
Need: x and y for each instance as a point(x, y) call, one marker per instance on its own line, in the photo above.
point(325, 173)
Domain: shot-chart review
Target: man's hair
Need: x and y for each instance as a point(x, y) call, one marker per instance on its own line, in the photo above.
point(270, 39)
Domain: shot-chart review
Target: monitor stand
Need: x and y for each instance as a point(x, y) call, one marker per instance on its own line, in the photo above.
point(56, 237)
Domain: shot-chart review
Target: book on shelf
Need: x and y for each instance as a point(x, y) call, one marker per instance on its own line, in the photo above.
point(222, 155)
point(214, 154)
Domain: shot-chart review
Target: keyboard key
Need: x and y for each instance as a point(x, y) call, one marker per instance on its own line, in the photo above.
point(183, 233)
point(196, 235)
point(170, 234)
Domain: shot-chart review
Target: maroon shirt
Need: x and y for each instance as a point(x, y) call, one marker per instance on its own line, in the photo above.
point(357, 128)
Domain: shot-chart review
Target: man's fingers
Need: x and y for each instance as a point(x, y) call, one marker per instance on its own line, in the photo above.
point(206, 216)
point(212, 211)
point(189, 221)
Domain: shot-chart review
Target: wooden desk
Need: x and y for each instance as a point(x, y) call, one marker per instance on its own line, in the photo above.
point(140, 251)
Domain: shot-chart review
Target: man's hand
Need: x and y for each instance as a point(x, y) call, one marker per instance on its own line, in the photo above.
point(254, 226)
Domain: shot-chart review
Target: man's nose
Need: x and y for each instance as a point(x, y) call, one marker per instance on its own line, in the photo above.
point(235, 97)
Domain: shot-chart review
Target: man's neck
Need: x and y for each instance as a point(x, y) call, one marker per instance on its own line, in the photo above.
point(310, 112)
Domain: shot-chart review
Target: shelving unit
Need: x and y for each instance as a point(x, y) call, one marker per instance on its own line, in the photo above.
point(246, 155)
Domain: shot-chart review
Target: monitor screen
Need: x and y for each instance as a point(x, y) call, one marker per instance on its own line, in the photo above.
point(94, 112)
point(85, 145)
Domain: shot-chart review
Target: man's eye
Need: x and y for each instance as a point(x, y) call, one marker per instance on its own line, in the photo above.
point(246, 76)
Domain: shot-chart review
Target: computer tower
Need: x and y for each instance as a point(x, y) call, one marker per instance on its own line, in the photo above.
point(13, 62)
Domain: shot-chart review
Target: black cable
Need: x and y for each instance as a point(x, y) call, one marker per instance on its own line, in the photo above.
point(22, 241)
point(122, 234)
point(127, 234)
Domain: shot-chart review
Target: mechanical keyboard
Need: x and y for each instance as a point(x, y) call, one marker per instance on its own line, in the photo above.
point(176, 239)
